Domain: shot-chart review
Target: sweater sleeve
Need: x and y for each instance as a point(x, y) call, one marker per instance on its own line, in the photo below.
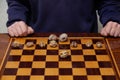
point(17, 11)
point(109, 10)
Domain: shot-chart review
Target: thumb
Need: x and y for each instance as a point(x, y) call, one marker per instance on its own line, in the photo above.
point(30, 30)
point(103, 32)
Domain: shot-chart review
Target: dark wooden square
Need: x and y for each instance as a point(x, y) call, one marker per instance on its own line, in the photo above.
point(90, 58)
point(64, 46)
point(10, 71)
point(105, 64)
point(93, 71)
point(85, 47)
point(28, 52)
point(80, 78)
point(37, 71)
point(38, 47)
point(25, 65)
point(51, 64)
point(101, 52)
point(109, 77)
point(78, 64)
point(51, 78)
point(39, 58)
point(30, 40)
point(52, 52)
point(76, 40)
point(23, 78)
point(65, 71)
point(68, 58)
point(14, 58)
point(76, 52)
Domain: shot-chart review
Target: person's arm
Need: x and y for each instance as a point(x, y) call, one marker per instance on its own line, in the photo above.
point(17, 18)
point(109, 11)
point(17, 11)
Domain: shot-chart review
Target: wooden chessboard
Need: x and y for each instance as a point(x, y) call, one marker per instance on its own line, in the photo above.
point(36, 63)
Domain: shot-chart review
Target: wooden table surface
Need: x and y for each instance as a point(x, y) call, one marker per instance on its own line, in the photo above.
point(114, 44)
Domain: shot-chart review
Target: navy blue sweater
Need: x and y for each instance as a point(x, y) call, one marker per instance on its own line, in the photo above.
point(63, 15)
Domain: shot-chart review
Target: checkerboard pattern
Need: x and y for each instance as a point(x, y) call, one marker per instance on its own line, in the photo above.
point(36, 63)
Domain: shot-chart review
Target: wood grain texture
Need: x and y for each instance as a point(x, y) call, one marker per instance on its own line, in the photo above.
point(4, 41)
point(114, 43)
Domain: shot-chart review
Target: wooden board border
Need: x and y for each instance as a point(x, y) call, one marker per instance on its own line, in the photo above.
point(113, 59)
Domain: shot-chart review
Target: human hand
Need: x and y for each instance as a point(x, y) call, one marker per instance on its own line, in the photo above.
point(111, 29)
point(19, 28)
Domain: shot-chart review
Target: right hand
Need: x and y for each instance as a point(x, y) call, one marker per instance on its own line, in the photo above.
point(19, 28)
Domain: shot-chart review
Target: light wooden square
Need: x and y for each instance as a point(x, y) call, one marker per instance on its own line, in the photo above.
point(8, 77)
point(40, 52)
point(65, 77)
point(24, 71)
point(11, 64)
point(37, 77)
point(29, 48)
point(51, 71)
point(38, 64)
point(27, 58)
point(77, 58)
point(20, 40)
point(103, 58)
point(52, 58)
point(86, 40)
point(42, 39)
point(66, 42)
point(52, 48)
point(79, 46)
point(89, 52)
point(65, 64)
point(91, 64)
point(94, 77)
point(16, 52)
point(102, 48)
point(79, 71)
point(107, 71)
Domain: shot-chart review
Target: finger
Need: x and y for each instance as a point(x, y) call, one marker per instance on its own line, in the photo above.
point(30, 30)
point(10, 33)
point(108, 27)
point(23, 27)
point(117, 33)
point(119, 29)
point(18, 29)
point(114, 27)
point(103, 32)
point(13, 29)
point(112, 32)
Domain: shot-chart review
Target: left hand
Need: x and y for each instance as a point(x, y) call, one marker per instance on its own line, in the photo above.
point(111, 29)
